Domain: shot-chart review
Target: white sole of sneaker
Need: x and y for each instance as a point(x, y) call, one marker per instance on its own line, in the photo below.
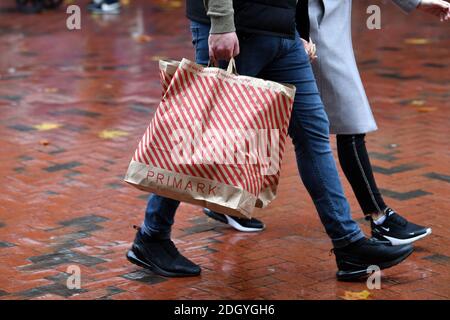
point(399, 242)
point(238, 227)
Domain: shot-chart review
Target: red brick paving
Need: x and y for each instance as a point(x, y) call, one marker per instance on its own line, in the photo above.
point(64, 203)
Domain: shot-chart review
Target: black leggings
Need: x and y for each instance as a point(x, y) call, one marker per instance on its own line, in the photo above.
point(355, 163)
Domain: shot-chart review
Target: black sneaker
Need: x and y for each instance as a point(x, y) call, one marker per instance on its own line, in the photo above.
point(354, 260)
point(241, 224)
point(160, 256)
point(397, 230)
point(101, 7)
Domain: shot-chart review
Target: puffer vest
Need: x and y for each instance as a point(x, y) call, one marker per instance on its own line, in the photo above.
point(270, 17)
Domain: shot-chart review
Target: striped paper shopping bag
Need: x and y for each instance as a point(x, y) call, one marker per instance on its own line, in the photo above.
point(268, 192)
point(216, 140)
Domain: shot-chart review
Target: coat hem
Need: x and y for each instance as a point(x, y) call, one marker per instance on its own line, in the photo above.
point(347, 130)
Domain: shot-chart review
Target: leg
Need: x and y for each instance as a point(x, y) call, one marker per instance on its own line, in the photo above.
point(355, 163)
point(309, 132)
point(387, 225)
point(159, 216)
point(160, 212)
point(200, 34)
point(152, 248)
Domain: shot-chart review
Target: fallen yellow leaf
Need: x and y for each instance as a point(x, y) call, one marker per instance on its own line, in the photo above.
point(417, 41)
point(418, 102)
point(51, 90)
point(175, 4)
point(426, 109)
point(44, 142)
point(350, 295)
point(141, 38)
point(170, 4)
point(47, 126)
point(111, 134)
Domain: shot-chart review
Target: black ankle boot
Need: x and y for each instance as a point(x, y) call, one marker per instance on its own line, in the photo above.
point(159, 254)
point(354, 259)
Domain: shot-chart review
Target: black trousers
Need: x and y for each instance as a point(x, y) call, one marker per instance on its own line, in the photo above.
point(355, 163)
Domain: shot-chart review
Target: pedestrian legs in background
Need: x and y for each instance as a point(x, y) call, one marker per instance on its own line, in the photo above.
point(104, 6)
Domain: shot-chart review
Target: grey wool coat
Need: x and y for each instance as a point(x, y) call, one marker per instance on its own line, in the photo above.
point(335, 68)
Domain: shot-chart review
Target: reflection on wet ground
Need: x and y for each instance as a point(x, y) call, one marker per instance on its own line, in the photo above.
point(73, 105)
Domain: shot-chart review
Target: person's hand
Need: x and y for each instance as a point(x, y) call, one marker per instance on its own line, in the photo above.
point(310, 49)
point(223, 46)
point(439, 8)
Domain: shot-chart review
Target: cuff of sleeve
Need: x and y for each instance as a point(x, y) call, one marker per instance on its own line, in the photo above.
point(408, 5)
point(222, 24)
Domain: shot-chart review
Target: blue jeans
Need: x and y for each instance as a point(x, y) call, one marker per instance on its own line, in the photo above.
point(283, 60)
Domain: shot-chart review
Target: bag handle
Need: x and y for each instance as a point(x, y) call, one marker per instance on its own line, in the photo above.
point(231, 66)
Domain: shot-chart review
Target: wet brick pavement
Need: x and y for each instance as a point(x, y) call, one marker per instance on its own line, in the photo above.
point(74, 104)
